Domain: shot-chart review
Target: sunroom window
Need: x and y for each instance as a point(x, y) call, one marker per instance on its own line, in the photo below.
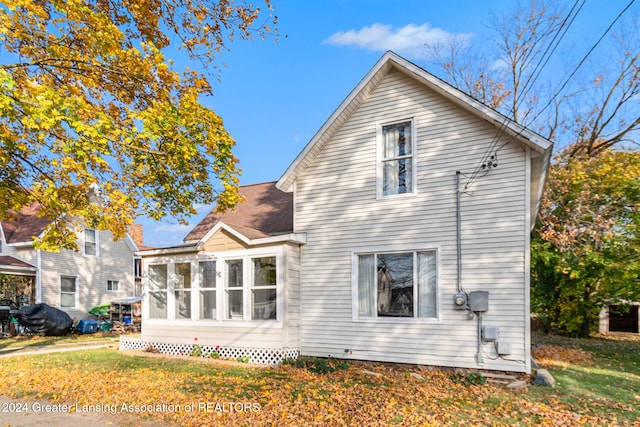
point(207, 289)
point(264, 288)
point(234, 289)
point(397, 159)
point(182, 290)
point(158, 291)
point(397, 285)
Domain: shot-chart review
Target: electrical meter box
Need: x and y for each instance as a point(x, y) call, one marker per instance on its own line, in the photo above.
point(490, 333)
point(478, 301)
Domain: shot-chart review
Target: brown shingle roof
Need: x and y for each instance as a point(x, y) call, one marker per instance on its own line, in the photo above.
point(13, 262)
point(25, 225)
point(266, 212)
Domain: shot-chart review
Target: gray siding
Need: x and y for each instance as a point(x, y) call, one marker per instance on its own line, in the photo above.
point(336, 205)
point(113, 262)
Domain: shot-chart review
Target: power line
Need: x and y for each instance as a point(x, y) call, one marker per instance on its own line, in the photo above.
point(540, 66)
point(546, 55)
point(555, 95)
point(582, 61)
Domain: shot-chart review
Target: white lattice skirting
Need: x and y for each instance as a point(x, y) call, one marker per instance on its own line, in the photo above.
point(260, 356)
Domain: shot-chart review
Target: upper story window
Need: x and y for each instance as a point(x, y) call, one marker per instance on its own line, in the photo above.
point(137, 268)
point(396, 166)
point(90, 241)
point(113, 285)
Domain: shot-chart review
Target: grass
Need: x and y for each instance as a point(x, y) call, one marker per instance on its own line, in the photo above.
point(607, 383)
point(37, 340)
point(598, 383)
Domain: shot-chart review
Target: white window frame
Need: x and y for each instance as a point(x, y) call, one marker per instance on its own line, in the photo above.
point(253, 287)
point(227, 289)
point(380, 160)
point(247, 257)
point(202, 290)
point(387, 250)
point(221, 319)
point(75, 292)
point(149, 290)
point(188, 291)
point(112, 282)
point(87, 242)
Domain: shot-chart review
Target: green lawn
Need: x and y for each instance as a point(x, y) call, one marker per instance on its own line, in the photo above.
point(598, 383)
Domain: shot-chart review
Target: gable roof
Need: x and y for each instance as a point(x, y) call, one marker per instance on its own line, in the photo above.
point(25, 226)
point(264, 212)
point(389, 62)
point(540, 147)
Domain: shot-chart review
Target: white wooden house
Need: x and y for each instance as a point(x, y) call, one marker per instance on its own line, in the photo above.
point(100, 271)
point(404, 237)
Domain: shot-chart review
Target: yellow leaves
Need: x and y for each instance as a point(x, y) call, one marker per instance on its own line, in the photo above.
point(94, 100)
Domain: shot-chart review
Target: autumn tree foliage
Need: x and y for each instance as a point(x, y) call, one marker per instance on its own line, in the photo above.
point(586, 249)
point(96, 123)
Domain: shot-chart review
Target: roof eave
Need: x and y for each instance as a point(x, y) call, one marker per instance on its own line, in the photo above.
point(297, 238)
point(167, 251)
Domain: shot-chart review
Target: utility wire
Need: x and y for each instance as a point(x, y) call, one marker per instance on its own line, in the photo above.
point(557, 92)
point(544, 59)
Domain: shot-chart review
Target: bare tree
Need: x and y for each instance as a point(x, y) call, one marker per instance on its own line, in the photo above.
point(589, 112)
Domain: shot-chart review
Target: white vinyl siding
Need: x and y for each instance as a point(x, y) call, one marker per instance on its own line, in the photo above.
point(494, 232)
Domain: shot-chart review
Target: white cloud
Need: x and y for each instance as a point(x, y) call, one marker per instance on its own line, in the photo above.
point(409, 40)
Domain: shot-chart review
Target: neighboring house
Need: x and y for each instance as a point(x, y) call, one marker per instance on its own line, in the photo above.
point(101, 270)
point(400, 233)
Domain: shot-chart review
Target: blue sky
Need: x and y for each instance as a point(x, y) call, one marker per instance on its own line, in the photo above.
point(274, 96)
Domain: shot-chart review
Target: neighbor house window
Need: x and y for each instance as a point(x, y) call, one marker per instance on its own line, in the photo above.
point(182, 290)
point(233, 289)
point(90, 241)
point(157, 291)
point(113, 286)
point(397, 285)
point(207, 271)
point(68, 292)
point(263, 288)
point(137, 268)
point(396, 160)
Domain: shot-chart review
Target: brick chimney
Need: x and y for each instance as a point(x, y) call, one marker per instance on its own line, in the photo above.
point(137, 234)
